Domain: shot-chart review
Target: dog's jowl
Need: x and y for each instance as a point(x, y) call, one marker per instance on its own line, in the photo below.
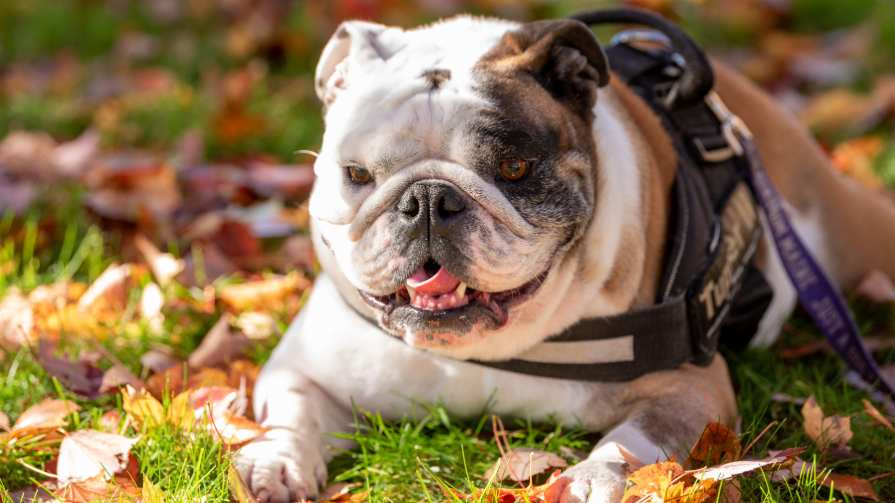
point(482, 186)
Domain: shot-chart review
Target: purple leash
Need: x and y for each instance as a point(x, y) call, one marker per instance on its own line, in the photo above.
point(817, 294)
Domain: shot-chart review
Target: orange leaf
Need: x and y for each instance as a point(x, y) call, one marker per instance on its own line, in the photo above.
point(717, 444)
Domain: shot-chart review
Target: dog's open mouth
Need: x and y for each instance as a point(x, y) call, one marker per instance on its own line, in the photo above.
point(434, 293)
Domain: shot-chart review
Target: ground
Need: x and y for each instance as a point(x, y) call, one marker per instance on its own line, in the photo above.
point(166, 136)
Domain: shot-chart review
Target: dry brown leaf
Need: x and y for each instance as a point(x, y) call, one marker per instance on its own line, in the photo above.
point(80, 376)
point(717, 444)
point(877, 416)
point(84, 454)
point(49, 413)
point(850, 485)
point(262, 293)
point(4, 421)
point(522, 464)
point(825, 431)
point(220, 345)
point(632, 462)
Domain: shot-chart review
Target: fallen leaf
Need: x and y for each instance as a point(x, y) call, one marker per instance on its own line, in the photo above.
point(337, 493)
point(110, 421)
point(856, 158)
point(633, 462)
point(151, 493)
point(80, 376)
point(877, 416)
point(737, 468)
point(164, 266)
point(146, 410)
point(151, 302)
point(717, 444)
point(263, 293)
point(238, 489)
point(109, 289)
point(84, 454)
point(49, 413)
point(256, 325)
point(16, 320)
point(522, 464)
point(665, 481)
point(158, 360)
point(220, 345)
point(119, 375)
point(98, 488)
point(825, 431)
point(850, 485)
point(236, 431)
point(4, 421)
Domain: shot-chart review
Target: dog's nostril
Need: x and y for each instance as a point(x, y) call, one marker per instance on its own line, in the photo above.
point(449, 203)
point(409, 206)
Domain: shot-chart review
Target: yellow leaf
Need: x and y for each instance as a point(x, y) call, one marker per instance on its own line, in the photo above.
point(151, 493)
point(142, 406)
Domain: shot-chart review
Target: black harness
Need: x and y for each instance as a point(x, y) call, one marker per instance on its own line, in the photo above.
point(709, 284)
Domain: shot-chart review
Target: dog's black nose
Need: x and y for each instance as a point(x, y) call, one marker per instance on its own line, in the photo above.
point(430, 206)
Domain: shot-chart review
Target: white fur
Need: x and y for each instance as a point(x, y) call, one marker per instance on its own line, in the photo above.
point(810, 229)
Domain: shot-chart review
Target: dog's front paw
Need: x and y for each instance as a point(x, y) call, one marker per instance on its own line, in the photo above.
point(592, 481)
point(279, 467)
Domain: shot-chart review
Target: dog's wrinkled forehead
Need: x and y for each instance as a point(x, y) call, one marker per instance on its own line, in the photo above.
point(386, 87)
point(419, 84)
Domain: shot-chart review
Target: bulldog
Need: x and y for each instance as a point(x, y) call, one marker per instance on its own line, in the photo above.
point(483, 185)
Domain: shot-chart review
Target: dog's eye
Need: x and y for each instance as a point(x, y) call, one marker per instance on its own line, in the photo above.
point(513, 169)
point(359, 174)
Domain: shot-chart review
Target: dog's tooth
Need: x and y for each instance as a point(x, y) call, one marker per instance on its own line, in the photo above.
point(461, 290)
point(412, 291)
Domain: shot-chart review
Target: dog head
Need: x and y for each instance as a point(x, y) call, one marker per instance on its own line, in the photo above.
point(457, 175)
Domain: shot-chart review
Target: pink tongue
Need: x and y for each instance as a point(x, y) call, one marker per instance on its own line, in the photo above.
point(442, 282)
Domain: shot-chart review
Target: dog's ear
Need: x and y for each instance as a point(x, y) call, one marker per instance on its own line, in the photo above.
point(355, 47)
point(563, 55)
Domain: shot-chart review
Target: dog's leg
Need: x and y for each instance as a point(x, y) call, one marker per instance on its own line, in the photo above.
point(667, 413)
point(289, 462)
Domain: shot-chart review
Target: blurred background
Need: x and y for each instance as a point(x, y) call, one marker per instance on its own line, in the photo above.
point(237, 73)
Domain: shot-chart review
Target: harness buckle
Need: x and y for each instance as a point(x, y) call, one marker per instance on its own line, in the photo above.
point(732, 128)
